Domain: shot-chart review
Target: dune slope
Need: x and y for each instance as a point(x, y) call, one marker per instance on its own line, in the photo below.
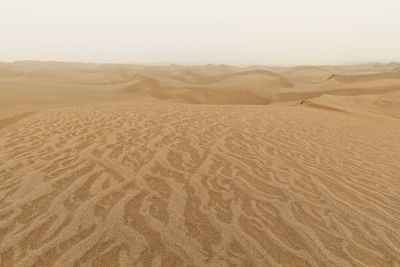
point(201, 185)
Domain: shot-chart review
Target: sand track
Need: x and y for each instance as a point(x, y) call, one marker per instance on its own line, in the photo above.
point(202, 185)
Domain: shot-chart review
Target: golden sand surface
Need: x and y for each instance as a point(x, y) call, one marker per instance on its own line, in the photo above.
point(216, 165)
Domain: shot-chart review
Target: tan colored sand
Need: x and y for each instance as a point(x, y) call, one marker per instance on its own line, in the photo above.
point(108, 165)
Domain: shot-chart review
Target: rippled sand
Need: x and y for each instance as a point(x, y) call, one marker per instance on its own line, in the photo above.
point(310, 183)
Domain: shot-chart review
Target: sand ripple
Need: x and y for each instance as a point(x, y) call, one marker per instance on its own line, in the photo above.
point(199, 185)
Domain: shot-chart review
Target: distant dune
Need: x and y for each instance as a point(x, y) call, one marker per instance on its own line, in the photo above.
point(214, 165)
point(210, 84)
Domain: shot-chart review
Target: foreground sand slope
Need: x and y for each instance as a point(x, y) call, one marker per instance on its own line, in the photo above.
point(175, 184)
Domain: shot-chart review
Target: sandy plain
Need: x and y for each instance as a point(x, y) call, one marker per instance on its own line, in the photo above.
point(215, 165)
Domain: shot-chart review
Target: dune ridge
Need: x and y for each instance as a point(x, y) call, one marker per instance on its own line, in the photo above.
point(211, 84)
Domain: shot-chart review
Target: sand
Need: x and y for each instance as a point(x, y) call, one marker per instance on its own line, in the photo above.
point(129, 165)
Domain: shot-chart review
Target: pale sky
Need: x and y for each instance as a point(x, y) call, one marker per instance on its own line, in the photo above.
point(272, 32)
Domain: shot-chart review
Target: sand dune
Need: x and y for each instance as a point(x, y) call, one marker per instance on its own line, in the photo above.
point(128, 165)
point(368, 77)
point(6, 72)
point(211, 84)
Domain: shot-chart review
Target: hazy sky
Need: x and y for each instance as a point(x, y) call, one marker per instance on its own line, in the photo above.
point(202, 31)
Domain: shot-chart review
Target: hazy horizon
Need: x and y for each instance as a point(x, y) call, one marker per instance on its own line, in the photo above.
point(240, 65)
point(187, 32)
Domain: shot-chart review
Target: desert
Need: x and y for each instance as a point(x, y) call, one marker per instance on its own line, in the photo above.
point(199, 165)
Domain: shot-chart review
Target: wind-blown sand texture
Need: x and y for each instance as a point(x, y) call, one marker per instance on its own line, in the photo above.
point(104, 165)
